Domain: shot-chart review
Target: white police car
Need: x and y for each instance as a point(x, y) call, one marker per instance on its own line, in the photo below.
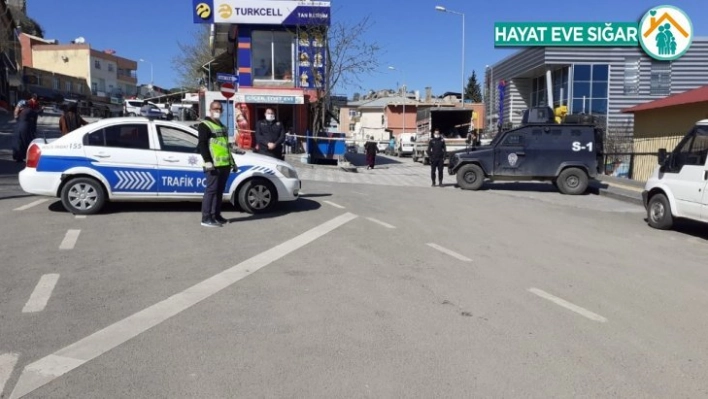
point(141, 159)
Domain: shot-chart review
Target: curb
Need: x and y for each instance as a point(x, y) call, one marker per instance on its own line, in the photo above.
point(621, 197)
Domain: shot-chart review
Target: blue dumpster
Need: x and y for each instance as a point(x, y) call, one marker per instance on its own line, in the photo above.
point(326, 147)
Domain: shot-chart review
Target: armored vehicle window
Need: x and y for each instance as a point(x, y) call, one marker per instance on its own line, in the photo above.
point(513, 139)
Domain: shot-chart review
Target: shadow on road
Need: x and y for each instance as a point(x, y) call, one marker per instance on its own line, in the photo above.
point(360, 160)
point(315, 195)
point(282, 209)
point(690, 228)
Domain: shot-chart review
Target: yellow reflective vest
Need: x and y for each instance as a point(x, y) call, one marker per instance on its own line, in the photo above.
point(219, 145)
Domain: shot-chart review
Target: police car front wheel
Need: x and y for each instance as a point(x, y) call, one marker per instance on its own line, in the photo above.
point(257, 196)
point(83, 196)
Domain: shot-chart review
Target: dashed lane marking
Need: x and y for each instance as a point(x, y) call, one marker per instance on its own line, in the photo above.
point(81, 216)
point(41, 294)
point(31, 204)
point(7, 365)
point(562, 302)
point(449, 252)
point(70, 239)
point(384, 224)
point(51, 367)
point(333, 204)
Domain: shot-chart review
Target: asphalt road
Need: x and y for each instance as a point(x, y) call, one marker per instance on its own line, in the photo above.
point(355, 291)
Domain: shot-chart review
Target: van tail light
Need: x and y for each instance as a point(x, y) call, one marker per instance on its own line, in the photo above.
point(33, 156)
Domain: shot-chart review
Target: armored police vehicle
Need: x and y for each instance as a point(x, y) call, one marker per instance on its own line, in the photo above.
point(567, 154)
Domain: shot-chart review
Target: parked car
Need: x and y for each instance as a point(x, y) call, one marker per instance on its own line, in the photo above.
point(678, 188)
point(141, 159)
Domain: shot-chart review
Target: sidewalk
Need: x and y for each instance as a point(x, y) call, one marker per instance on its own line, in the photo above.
point(621, 189)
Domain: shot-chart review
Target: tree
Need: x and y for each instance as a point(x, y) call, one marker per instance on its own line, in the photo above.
point(473, 91)
point(192, 55)
point(348, 56)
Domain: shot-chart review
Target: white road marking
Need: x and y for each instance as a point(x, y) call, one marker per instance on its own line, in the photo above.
point(51, 367)
point(333, 204)
point(81, 216)
point(41, 294)
point(7, 364)
point(449, 252)
point(384, 224)
point(31, 204)
point(562, 302)
point(70, 239)
point(360, 193)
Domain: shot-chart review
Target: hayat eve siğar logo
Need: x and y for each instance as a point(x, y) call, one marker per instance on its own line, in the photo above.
point(666, 33)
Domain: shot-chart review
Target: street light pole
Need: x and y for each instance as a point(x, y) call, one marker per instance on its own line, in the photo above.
point(444, 9)
point(151, 71)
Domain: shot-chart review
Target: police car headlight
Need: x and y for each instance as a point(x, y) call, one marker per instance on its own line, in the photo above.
point(287, 172)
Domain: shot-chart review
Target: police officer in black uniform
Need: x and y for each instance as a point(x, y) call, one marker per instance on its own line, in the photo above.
point(270, 136)
point(436, 154)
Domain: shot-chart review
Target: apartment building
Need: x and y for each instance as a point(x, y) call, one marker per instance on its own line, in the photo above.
point(108, 77)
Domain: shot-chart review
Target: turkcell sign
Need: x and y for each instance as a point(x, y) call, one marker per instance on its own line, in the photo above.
point(259, 12)
point(567, 34)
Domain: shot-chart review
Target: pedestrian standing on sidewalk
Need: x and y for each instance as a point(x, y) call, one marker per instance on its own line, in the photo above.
point(270, 136)
point(214, 148)
point(71, 120)
point(371, 149)
point(26, 116)
point(436, 153)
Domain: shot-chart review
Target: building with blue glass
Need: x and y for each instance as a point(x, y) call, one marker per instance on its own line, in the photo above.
point(601, 81)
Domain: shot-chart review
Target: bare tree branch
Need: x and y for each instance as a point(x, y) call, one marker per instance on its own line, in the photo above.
point(191, 56)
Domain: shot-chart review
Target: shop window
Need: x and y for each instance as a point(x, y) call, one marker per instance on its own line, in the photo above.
point(581, 72)
point(581, 89)
point(599, 89)
point(55, 83)
point(598, 106)
point(272, 54)
point(600, 73)
point(631, 75)
point(580, 105)
point(67, 87)
point(660, 78)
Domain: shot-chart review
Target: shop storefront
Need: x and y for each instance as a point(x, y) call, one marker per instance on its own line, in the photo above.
point(278, 53)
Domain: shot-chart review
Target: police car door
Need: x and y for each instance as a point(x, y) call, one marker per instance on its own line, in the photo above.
point(510, 155)
point(179, 163)
point(124, 155)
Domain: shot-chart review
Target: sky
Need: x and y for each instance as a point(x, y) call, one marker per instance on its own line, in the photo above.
point(424, 45)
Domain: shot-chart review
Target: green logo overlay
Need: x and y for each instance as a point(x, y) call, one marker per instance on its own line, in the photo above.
point(664, 32)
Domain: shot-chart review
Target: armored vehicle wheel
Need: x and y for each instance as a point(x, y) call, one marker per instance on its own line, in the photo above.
point(470, 177)
point(573, 181)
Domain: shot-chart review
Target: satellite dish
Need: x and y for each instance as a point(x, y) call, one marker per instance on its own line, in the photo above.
point(80, 40)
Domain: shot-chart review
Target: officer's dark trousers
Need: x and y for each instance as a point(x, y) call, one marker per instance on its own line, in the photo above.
point(436, 164)
point(214, 192)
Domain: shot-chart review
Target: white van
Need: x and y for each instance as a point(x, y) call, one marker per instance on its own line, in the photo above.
point(678, 187)
point(404, 144)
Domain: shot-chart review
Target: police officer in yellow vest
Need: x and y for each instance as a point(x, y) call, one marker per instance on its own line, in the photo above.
point(218, 163)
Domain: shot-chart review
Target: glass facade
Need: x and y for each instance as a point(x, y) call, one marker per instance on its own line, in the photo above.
point(560, 84)
point(272, 55)
point(590, 89)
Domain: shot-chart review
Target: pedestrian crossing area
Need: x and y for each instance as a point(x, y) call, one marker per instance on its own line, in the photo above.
point(403, 175)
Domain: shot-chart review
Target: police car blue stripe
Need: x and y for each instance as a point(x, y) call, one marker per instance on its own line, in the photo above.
point(139, 179)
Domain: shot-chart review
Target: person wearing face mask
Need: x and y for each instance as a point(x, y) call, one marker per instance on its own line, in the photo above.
point(218, 163)
point(436, 153)
point(270, 136)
